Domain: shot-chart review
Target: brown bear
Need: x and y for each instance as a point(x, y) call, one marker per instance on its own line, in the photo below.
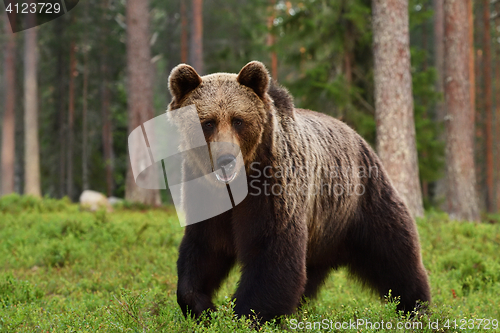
point(319, 198)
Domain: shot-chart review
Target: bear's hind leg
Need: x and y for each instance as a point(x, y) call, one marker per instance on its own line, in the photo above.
point(384, 253)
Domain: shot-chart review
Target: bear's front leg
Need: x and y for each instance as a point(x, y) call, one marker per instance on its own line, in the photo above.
point(273, 257)
point(206, 256)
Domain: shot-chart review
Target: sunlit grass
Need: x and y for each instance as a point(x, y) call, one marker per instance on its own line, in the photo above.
point(66, 270)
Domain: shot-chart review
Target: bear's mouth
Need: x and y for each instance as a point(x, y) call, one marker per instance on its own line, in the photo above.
point(227, 171)
point(225, 177)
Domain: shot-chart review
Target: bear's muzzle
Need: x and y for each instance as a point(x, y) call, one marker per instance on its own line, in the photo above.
point(226, 168)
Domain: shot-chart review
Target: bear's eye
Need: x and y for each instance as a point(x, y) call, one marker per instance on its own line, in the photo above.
point(209, 125)
point(237, 122)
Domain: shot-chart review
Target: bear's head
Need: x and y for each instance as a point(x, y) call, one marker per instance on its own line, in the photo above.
point(234, 110)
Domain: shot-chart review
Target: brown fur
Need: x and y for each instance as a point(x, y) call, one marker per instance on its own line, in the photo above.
point(288, 242)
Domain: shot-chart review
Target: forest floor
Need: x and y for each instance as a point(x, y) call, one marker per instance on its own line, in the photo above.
point(66, 270)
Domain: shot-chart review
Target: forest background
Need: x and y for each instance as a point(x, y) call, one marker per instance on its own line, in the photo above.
point(322, 51)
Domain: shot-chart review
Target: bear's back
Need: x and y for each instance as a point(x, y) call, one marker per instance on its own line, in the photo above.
point(324, 156)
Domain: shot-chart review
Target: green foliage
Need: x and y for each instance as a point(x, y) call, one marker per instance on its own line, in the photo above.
point(430, 146)
point(316, 71)
point(14, 203)
point(16, 292)
point(125, 204)
point(70, 270)
point(430, 149)
point(235, 33)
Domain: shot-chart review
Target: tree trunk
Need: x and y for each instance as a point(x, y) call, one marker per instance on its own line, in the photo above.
point(107, 137)
point(31, 144)
point(461, 181)
point(440, 186)
point(425, 65)
point(140, 92)
point(396, 144)
point(472, 71)
point(85, 134)
point(488, 107)
point(196, 51)
point(61, 105)
point(478, 106)
point(184, 32)
point(439, 52)
point(8, 123)
point(497, 75)
point(478, 110)
point(85, 143)
point(71, 118)
point(270, 40)
point(106, 133)
point(497, 79)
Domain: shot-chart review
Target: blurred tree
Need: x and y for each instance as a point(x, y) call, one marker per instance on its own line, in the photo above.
point(196, 51)
point(31, 144)
point(477, 97)
point(472, 54)
point(430, 143)
point(440, 185)
point(270, 39)
point(60, 83)
point(438, 25)
point(105, 30)
point(496, 21)
point(107, 136)
point(488, 99)
point(85, 143)
point(184, 32)
point(8, 122)
point(396, 143)
point(106, 132)
point(71, 119)
point(461, 181)
point(430, 149)
point(139, 87)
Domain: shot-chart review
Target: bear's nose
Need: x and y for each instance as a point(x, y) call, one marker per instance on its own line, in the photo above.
point(228, 162)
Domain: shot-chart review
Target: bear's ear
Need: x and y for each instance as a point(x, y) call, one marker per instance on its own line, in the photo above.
point(182, 80)
point(255, 76)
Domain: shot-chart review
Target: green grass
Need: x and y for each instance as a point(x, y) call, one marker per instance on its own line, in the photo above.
point(66, 270)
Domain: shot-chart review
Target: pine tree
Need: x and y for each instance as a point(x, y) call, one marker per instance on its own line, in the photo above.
point(31, 143)
point(488, 100)
point(459, 120)
point(196, 50)
point(8, 123)
point(140, 87)
point(396, 143)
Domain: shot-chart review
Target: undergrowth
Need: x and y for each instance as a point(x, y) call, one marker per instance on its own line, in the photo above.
point(66, 270)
